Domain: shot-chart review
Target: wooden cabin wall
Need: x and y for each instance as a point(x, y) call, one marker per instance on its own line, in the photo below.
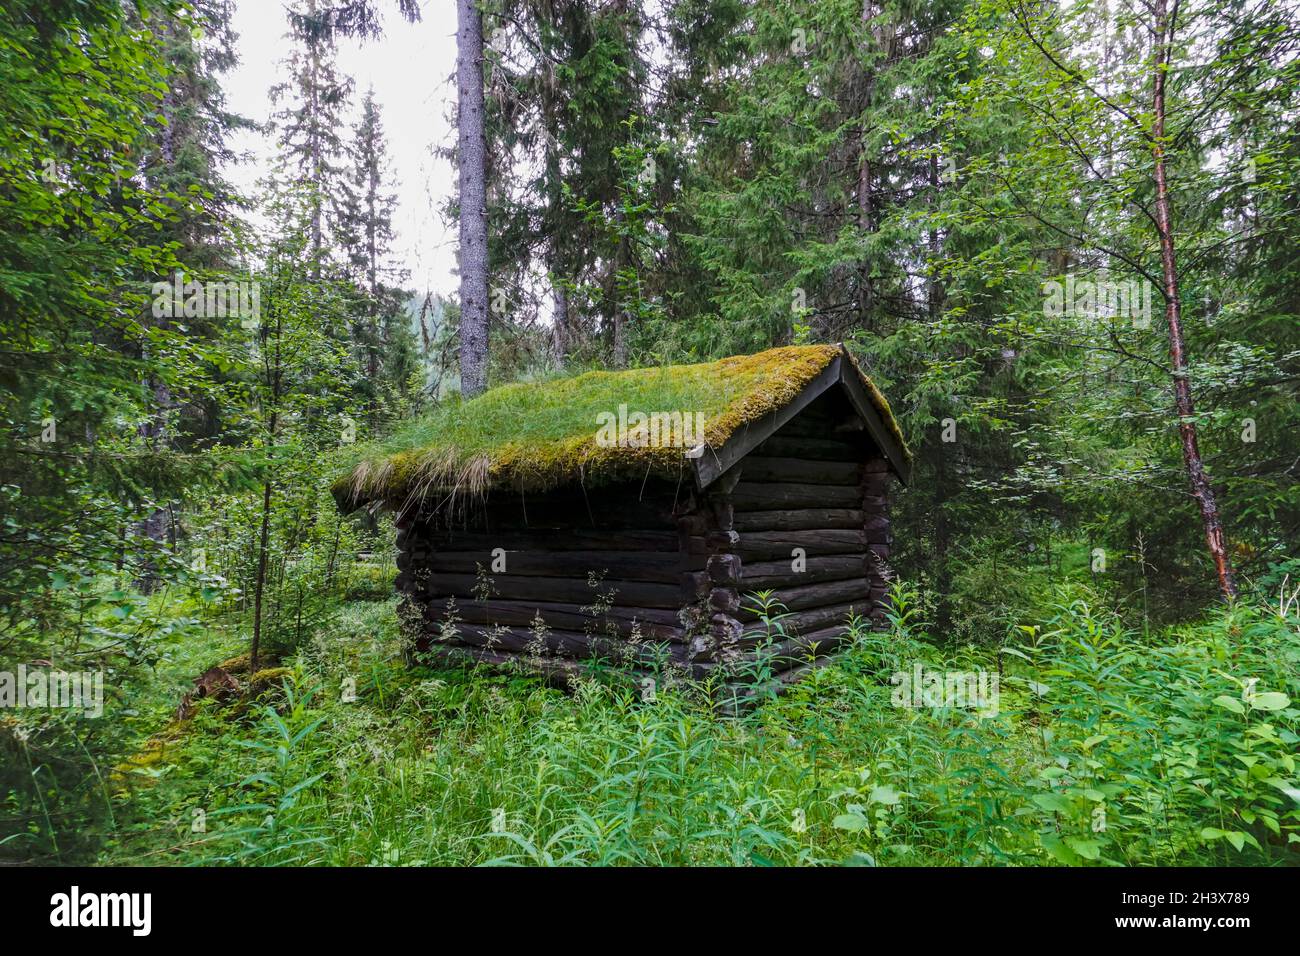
point(818, 484)
point(679, 563)
point(628, 533)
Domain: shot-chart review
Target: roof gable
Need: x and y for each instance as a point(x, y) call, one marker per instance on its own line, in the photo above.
point(841, 373)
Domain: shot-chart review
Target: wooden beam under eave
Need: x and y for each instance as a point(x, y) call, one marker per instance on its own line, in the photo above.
point(880, 432)
point(710, 466)
point(717, 461)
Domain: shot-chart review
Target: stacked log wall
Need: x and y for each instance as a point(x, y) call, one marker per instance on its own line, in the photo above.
point(629, 536)
point(820, 486)
point(680, 563)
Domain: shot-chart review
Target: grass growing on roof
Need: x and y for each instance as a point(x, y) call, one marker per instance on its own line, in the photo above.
point(539, 435)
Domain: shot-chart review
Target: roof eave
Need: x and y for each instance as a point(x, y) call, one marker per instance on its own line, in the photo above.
point(715, 462)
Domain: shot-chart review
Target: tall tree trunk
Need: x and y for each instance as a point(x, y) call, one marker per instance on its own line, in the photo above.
point(560, 338)
point(1201, 488)
point(866, 205)
point(473, 200)
point(622, 314)
point(259, 588)
point(620, 336)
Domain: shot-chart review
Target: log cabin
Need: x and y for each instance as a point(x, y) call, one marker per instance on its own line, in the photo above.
point(719, 522)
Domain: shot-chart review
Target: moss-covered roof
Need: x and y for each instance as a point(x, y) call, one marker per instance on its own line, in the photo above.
point(541, 435)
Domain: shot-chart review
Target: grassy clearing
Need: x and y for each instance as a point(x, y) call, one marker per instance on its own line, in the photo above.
point(1106, 749)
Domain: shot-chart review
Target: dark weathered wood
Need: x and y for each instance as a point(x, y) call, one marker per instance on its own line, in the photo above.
point(520, 640)
point(528, 588)
point(571, 539)
point(825, 593)
point(712, 542)
point(740, 695)
point(813, 426)
point(875, 485)
point(678, 556)
point(767, 545)
point(560, 672)
point(802, 470)
point(663, 567)
point(780, 573)
point(782, 655)
point(828, 447)
point(801, 622)
point(803, 519)
point(883, 435)
point(658, 623)
point(716, 461)
point(794, 495)
point(621, 505)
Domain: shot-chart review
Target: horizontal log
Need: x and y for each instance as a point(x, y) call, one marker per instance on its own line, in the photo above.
point(557, 671)
point(571, 506)
point(781, 573)
point(811, 425)
point(714, 542)
point(800, 519)
point(801, 622)
point(751, 496)
point(572, 644)
point(656, 623)
point(515, 587)
point(740, 692)
point(562, 672)
point(876, 485)
point(782, 655)
point(876, 528)
point(574, 539)
point(664, 567)
point(804, 470)
point(766, 545)
point(820, 595)
point(724, 600)
point(823, 448)
point(724, 570)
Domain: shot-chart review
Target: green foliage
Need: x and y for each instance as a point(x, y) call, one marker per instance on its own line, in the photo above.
point(1105, 748)
point(688, 181)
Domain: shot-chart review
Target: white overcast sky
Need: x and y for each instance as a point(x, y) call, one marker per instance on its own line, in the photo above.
point(411, 68)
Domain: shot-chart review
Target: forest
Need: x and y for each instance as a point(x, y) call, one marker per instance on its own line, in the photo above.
point(1057, 239)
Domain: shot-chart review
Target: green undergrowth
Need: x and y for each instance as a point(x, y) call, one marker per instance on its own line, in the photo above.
point(1105, 749)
